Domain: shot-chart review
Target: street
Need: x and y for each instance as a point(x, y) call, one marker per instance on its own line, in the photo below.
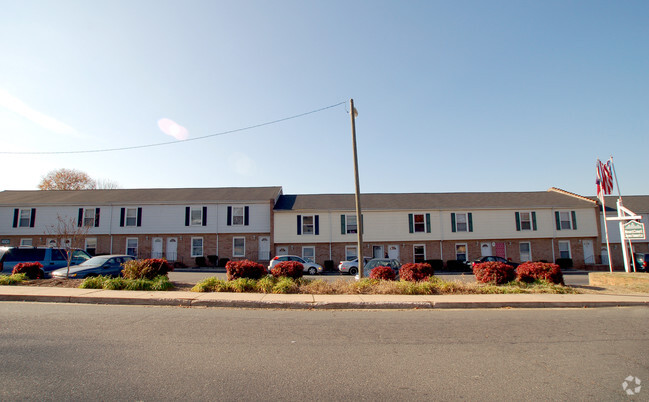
point(91, 352)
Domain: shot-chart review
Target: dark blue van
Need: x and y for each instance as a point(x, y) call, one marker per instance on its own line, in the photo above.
point(50, 258)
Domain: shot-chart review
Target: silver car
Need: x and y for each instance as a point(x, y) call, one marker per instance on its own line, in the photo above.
point(310, 267)
point(381, 262)
point(351, 266)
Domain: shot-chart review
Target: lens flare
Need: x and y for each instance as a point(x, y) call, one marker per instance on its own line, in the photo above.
point(173, 129)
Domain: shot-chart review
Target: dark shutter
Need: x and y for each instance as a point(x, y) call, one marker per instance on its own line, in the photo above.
point(122, 215)
point(518, 221)
point(187, 213)
point(317, 225)
point(574, 220)
point(427, 223)
point(557, 217)
point(139, 216)
point(411, 223)
point(246, 215)
point(204, 216)
point(229, 216)
point(453, 227)
point(299, 224)
point(33, 218)
point(97, 211)
point(470, 222)
point(343, 227)
point(533, 220)
point(80, 219)
point(16, 214)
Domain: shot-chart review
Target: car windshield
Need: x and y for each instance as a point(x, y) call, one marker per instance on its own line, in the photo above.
point(95, 261)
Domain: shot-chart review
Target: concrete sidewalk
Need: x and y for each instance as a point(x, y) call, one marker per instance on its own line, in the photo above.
point(302, 301)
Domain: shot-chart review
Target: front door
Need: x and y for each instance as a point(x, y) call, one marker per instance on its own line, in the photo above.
point(156, 247)
point(172, 249)
point(589, 254)
point(485, 249)
point(377, 252)
point(393, 251)
point(264, 248)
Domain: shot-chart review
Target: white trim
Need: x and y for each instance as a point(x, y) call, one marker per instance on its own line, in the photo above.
point(312, 225)
point(191, 219)
point(234, 239)
point(413, 252)
point(243, 215)
point(126, 217)
point(137, 244)
point(23, 242)
point(569, 251)
point(192, 247)
point(308, 247)
point(466, 250)
point(347, 254)
point(530, 251)
point(347, 224)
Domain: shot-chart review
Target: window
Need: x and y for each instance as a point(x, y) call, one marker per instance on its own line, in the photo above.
point(525, 220)
point(348, 223)
point(91, 245)
point(419, 223)
point(197, 216)
point(420, 226)
point(25, 242)
point(566, 220)
point(564, 249)
point(238, 215)
point(307, 224)
point(419, 252)
point(131, 216)
point(460, 252)
point(131, 246)
point(24, 218)
point(197, 246)
point(239, 247)
point(525, 250)
point(88, 217)
point(350, 253)
point(462, 222)
point(308, 253)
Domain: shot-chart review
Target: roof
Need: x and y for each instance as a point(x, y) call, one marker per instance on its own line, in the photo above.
point(427, 201)
point(139, 196)
point(636, 203)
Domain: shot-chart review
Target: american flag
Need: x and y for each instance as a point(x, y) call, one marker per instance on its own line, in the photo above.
point(604, 178)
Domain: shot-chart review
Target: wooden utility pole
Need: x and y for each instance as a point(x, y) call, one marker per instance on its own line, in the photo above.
point(359, 221)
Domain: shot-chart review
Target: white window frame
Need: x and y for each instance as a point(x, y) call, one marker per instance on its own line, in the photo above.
point(349, 255)
point(137, 244)
point(305, 257)
point(238, 216)
point(348, 230)
point(234, 247)
point(465, 216)
point(127, 217)
point(90, 240)
point(527, 221)
point(414, 258)
point(466, 251)
point(566, 242)
point(89, 221)
point(529, 251)
point(569, 221)
point(193, 246)
point(199, 220)
point(27, 220)
point(26, 242)
point(422, 223)
point(308, 225)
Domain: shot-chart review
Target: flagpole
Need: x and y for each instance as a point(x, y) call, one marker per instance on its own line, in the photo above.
point(601, 191)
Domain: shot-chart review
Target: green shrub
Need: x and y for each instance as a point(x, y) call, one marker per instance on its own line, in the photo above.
point(162, 283)
point(241, 285)
point(115, 283)
point(211, 284)
point(107, 283)
point(266, 284)
point(6, 280)
point(94, 282)
point(286, 285)
point(146, 269)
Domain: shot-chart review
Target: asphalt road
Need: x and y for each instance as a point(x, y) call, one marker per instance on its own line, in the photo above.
point(88, 352)
point(193, 277)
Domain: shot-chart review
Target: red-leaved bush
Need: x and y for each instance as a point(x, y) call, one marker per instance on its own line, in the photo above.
point(244, 269)
point(33, 270)
point(291, 269)
point(385, 273)
point(148, 268)
point(493, 272)
point(530, 271)
point(416, 272)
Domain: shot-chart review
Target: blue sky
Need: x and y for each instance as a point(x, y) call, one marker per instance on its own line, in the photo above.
point(453, 96)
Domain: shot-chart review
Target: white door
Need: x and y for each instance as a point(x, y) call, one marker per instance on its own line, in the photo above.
point(264, 248)
point(485, 249)
point(393, 251)
point(156, 247)
point(172, 249)
point(589, 254)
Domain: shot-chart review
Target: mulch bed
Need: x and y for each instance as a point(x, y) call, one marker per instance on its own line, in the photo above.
point(74, 283)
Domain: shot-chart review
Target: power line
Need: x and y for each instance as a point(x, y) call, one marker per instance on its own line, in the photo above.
point(173, 142)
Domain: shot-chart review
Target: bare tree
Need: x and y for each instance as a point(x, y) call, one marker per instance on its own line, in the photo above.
point(106, 184)
point(67, 179)
point(68, 235)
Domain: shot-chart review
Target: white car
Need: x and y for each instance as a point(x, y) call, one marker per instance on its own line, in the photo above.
point(351, 266)
point(310, 267)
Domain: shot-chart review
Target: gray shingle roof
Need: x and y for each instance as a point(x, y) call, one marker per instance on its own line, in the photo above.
point(636, 203)
point(423, 201)
point(139, 196)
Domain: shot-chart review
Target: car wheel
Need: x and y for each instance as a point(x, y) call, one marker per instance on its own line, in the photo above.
point(313, 271)
point(353, 271)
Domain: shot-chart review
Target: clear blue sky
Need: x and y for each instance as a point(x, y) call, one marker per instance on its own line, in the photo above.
point(453, 96)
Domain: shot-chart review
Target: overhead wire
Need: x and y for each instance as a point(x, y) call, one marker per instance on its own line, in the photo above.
point(171, 142)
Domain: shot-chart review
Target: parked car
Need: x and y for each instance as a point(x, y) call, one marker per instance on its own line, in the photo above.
point(351, 266)
point(310, 267)
point(50, 258)
point(493, 258)
point(381, 262)
point(105, 265)
point(641, 262)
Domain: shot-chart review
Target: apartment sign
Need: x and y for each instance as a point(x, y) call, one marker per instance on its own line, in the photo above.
point(634, 230)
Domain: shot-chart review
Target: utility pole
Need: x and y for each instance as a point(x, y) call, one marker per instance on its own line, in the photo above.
point(359, 221)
